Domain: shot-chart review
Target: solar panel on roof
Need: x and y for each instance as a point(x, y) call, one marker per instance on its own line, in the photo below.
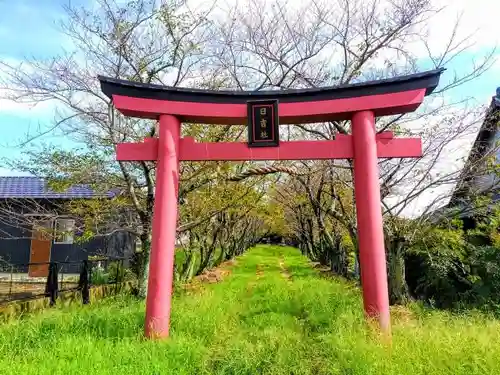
point(36, 187)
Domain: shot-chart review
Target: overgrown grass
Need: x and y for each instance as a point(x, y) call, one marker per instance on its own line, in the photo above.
point(272, 315)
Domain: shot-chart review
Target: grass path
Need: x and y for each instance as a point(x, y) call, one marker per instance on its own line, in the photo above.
point(272, 315)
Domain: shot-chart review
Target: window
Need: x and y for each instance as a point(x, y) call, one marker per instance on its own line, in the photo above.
point(42, 230)
point(64, 231)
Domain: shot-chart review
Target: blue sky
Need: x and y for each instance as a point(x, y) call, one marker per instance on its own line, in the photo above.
point(29, 28)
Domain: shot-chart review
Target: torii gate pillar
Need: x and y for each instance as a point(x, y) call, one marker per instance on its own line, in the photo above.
point(161, 265)
point(360, 103)
point(369, 219)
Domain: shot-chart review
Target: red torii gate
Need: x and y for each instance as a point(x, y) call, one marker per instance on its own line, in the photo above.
point(360, 103)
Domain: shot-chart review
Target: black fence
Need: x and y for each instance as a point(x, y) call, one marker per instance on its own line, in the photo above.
point(32, 280)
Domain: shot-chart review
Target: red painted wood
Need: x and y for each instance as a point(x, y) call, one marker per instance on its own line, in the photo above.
point(161, 265)
point(341, 148)
point(147, 150)
point(385, 135)
point(293, 150)
point(399, 148)
point(289, 113)
point(369, 220)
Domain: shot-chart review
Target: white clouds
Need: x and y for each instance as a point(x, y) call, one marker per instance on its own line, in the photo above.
point(472, 23)
point(479, 16)
point(25, 109)
point(18, 107)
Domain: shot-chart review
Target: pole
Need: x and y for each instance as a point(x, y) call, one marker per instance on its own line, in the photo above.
point(161, 265)
point(369, 216)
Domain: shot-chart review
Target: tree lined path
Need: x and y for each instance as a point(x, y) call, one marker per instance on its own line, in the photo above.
point(272, 314)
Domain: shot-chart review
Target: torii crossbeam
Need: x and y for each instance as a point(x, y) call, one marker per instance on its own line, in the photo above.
point(360, 103)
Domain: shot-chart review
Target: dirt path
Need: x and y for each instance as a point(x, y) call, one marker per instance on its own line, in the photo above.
point(284, 271)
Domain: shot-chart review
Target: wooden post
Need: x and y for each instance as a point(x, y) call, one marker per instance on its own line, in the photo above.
point(369, 215)
point(161, 265)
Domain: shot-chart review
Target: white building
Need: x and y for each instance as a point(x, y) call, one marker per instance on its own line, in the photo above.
point(481, 173)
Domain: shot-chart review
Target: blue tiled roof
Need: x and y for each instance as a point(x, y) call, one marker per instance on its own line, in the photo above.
point(36, 187)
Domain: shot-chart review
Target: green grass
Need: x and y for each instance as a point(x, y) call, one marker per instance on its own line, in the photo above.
point(257, 321)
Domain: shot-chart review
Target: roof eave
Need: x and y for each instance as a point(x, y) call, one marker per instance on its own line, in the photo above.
point(428, 80)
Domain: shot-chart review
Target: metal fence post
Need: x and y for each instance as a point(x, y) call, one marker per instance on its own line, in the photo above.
point(11, 281)
point(51, 288)
point(61, 286)
point(83, 283)
point(91, 268)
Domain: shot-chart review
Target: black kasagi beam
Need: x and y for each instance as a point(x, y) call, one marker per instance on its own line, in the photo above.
point(263, 123)
point(428, 80)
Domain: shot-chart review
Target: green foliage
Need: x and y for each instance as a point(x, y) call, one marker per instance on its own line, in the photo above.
point(485, 278)
point(118, 273)
point(114, 272)
point(273, 315)
point(450, 267)
point(99, 277)
point(318, 212)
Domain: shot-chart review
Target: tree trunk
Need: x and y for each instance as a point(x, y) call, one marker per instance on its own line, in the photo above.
point(398, 289)
point(357, 264)
point(189, 267)
point(141, 265)
point(339, 262)
point(221, 257)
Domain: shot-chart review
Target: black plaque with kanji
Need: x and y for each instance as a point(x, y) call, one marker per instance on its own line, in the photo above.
point(263, 127)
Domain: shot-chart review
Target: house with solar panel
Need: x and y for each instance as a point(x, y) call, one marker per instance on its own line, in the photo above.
point(35, 229)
